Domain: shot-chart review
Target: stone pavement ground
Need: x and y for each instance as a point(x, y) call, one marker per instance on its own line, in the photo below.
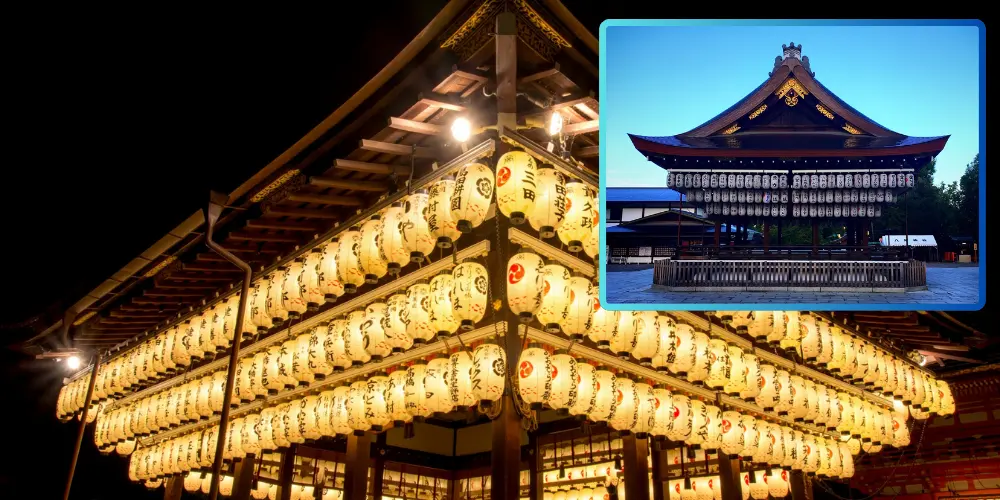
point(945, 285)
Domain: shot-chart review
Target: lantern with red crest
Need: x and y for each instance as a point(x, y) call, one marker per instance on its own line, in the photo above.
point(516, 185)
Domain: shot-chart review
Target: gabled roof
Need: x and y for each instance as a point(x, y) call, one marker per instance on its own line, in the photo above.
point(789, 114)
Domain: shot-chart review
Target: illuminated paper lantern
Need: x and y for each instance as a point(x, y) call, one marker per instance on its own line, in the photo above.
point(645, 410)
point(793, 445)
point(666, 351)
point(339, 419)
point(647, 339)
point(738, 372)
point(751, 369)
point(625, 411)
point(416, 231)
point(685, 351)
point(469, 291)
point(732, 433)
point(242, 390)
point(395, 398)
point(826, 352)
point(294, 419)
point(783, 383)
point(750, 428)
point(291, 297)
point(663, 411)
point(472, 196)
point(356, 417)
point(460, 365)
point(309, 418)
point(376, 406)
point(562, 394)
point(761, 325)
point(829, 412)
point(226, 486)
point(579, 220)
point(602, 326)
point(391, 238)
point(416, 395)
point(248, 434)
point(699, 423)
point(354, 338)
point(779, 326)
point(270, 378)
point(810, 338)
point(393, 326)
point(443, 320)
point(713, 427)
point(300, 360)
point(549, 210)
point(265, 430)
point(320, 364)
point(604, 396)
point(348, 257)
point(217, 394)
point(718, 364)
point(193, 345)
point(168, 364)
point(845, 407)
point(440, 221)
point(192, 481)
point(309, 285)
point(554, 305)
point(947, 400)
point(417, 316)
point(798, 409)
point(436, 384)
point(702, 359)
point(525, 284)
point(489, 368)
point(371, 255)
point(861, 419)
point(375, 341)
point(257, 310)
point(275, 293)
point(792, 339)
point(327, 272)
point(623, 340)
point(534, 376)
point(580, 312)
point(592, 245)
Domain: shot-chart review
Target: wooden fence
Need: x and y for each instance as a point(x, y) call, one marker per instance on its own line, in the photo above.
point(878, 276)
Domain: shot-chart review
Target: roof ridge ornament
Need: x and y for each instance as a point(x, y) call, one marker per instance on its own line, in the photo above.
point(791, 55)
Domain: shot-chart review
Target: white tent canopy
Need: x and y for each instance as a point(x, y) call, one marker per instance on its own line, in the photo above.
point(915, 240)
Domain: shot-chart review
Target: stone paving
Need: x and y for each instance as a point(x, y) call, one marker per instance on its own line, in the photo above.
point(951, 285)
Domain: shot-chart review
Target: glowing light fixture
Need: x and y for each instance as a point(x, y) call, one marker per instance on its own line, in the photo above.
point(461, 129)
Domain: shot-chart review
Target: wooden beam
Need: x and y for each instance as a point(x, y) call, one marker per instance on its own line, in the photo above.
point(581, 127)
point(356, 465)
point(156, 300)
point(276, 238)
point(729, 477)
point(309, 213)
point(441, 101)
point(586, 110)
point(142, 308)
point(333, 182)
point(195, 277)
point(541, 75)
point(797, 485)
point(942, 355)
point(209, 269)
point(140, 322)
point(156, 293)
point(327, 199)
point(571, 103)
point(139, 314)
point(392, 148)
point(185, 286)
point(587, 152)
point(372, 168)
point(415, 126)
point(634, 453)
point(243, 478)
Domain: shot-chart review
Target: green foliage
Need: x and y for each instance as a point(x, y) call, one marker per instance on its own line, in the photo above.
point(941, 210)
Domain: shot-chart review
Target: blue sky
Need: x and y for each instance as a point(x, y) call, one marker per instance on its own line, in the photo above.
point(666, 80)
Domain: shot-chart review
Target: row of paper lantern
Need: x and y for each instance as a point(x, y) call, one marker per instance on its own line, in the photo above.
point(569, 304)
point(202, 481)
point(758, 196)
point(596, 493)
point(688, 180)
point(760, 487)
point(550, 203)
point(462, 379)
point(820, 210)
point(450, 301)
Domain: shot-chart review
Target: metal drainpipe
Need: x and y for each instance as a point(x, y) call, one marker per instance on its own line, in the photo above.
point(83, 423)
point(215, 207)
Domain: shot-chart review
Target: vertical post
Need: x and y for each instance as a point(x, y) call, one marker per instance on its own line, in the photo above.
point(535, 477)
point(718, 229)
point(797, 485)
point(356, 466)
point(779, 232)
point(379, 471)
point(906, 223)
point(83, 423)
point(660, 464)
point(815, 238)
point(767, 235)
point(286, 473)
point(636, 471)
point(506, 69)
point(173, 488)
point(729, 478)
point(680, 209)
point(243, 477)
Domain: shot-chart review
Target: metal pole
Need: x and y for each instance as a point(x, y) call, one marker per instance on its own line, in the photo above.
point(83, 424)
point(214, 211)
point(906, 224)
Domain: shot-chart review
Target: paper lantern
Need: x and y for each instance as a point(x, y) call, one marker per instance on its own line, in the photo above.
point(226, 486)
point(169, 365)
point(748, 425)
point(294, 418)
point(810, 454)
point(354, 338)
point(592, 245)
point(489, 368)
point(460, 384)
point(738, 372)
point(751, 377)
point(300, 360)
point(193, 345)
point(549, 211)
point(810, 338)
point(415, 393)
point(473, 193)
point(395, 398)
point(562, 394)
point(712, 439)
point(699, 423)
point(647, 340)
point(947, 400)
point(623, 340)
point(275, 293)
point(217, 394)
point(469, 291)
point(604, 396)
point(270, 378)
point(685, 351)
point(349, 270)
point(731, 433)
point(248, 434)
point(554, 305)
point(376, 407)
point(603, 325)
point(391, 238)
point(440, 221)
point(291, 298)
point(309, 417)
point(580, 312)
point(371, 255)
point(646, 406)
point(339, 419)
point(783, 384)
point(719, 365)
point(579, 219)
point(779, 326)
point(376, 342)
point(793, 448)
point(355, 405)
point(265, 430)
point(309, 289)
point(534, 376)
point(826, 340)
point(393, 326)
point(702, 359)
point(791, 341)
point(192, 481)
point(417, 316)
point(846, 409)
point(327, 273)
point(798, 409)
point(625, 411)
point(416, 231)
point(663, 411)
point(242, 390)
point(436, 384)
point(443, 321)
point(862, 414)
point(761, 324)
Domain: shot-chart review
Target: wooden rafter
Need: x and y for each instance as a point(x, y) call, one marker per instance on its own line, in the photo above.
point(269, 237)
point(581, 127)
point(309, 213)
point(372, 168)
point(392, 148)
point(336, 183)
point(327, 199)
point(415, 126)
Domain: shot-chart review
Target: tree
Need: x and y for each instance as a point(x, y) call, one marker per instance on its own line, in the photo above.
point(968, 200)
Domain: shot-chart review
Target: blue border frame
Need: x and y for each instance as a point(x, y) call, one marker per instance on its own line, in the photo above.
point(806, 22)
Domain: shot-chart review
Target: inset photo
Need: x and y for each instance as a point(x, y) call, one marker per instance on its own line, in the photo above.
point(792, 164)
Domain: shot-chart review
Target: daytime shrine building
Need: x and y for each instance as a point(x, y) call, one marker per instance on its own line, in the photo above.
point(791, 149)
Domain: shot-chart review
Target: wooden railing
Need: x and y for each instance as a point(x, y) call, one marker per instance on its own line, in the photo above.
point(650, 254)
point(791, 275)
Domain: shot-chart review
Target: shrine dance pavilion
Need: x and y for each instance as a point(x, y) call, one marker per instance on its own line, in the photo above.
point(791, 150)
point(405, 307)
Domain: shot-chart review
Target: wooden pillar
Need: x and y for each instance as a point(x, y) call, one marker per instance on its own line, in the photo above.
point(83, 418)
point(797, 485)
point(243, 477)
point(679, 212)
point(379, 469)
point(729, 477)
point(535, 478)
point(660, 464)
point(767, 235)
point(718, 230)
point(174, 488)
point(286, 473)
point(506, 69)
point(359, 449)
point(635, 468)
point(815, 239)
